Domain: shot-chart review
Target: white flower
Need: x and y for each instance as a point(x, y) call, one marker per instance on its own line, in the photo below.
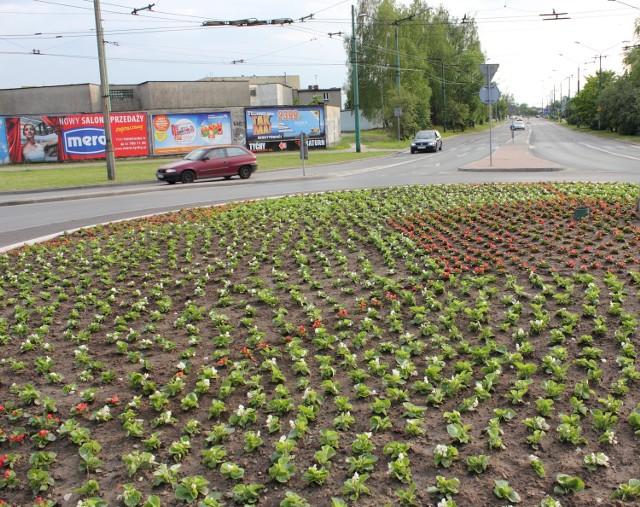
point(440, 450)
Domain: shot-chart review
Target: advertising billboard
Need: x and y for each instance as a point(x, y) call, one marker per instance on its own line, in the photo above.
point(75, 137)
point(180, 133)
point(4, 147)
point(279, 128)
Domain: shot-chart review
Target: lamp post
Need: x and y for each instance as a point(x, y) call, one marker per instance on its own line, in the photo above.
point(599, 56)
point(569, 99)
point(356, 98)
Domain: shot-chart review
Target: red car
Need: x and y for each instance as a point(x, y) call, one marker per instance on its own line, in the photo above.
point(210, 162)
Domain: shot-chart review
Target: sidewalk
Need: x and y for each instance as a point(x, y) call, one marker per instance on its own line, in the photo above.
point(513, 156)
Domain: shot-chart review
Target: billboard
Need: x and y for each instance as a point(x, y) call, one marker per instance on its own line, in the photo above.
point(180, 133)
point(75, 137)
point(4, 147)
point(279, 128)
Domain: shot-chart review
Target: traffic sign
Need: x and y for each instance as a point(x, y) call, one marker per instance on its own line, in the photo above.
point(489, 70)
point(489, 94)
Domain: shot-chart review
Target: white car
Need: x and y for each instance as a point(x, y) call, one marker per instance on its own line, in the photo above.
point(517, 125)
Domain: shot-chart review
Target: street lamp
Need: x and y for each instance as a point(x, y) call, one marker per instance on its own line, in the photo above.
point(578, 63)
point(356, 98)
point(569, 99)
point(599, 77)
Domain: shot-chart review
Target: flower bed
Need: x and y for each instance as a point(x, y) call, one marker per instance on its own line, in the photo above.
point(438, 345)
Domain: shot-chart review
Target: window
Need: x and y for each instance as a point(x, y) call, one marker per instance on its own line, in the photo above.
point(121, 94)
point(235, 151)
point(325, 96)
point(253, 92)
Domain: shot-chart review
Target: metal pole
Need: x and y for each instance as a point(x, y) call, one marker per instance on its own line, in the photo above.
point(104, 87)
point(397, 73)
point(444, 101)
point(489, 106)
point(356, 99)
point(599, 92)
point(569, 100)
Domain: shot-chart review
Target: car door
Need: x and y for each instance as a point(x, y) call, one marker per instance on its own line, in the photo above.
point(438, 141)
point(215, 164)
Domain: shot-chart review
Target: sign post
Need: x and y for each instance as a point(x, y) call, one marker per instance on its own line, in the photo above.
point(304, 150)
point(490, 96)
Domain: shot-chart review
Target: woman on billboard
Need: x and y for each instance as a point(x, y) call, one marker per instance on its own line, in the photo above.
point(35, 150)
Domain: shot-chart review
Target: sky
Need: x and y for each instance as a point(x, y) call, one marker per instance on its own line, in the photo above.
point(53, 42)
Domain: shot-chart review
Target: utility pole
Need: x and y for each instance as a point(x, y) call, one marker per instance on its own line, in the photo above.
point(600, 93)
point(397, 71)
point(444, 102)
point(106, 103)
point(356, 98)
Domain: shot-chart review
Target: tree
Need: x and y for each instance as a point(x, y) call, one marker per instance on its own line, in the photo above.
point(585, 103)
point(428, 40)
point(621, 107)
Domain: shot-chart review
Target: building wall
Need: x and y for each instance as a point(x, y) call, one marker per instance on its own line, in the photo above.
point(170, 95)
point(81, 98)
point(348, 122)
point(124, 98)
point(332, 124)
point(328, 96)
point(271, 94)
point(291, 81)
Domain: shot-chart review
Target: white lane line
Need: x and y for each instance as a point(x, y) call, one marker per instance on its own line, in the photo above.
point(610, 152)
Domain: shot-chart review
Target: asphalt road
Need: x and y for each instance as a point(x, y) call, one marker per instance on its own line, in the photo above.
point(28, 216)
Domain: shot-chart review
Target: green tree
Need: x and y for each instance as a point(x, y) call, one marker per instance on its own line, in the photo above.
point(586, 102)
point(429, 41)
point(621, 107)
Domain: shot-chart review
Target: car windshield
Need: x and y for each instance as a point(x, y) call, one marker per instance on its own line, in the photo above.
point(427, 134)
point(196, 154)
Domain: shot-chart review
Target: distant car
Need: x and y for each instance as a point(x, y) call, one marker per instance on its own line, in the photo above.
point(517, 125)
point(426, 140)
point(210, 162)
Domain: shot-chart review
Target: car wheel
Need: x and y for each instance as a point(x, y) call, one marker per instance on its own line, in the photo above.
point(227, 177)
point(171, 182)
point(188, 177)
point(440, 146)
point(244, 172)
point(413, 151)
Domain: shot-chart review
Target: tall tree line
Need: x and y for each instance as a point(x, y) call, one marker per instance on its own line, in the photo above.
point(417, 59)
point(610, 101)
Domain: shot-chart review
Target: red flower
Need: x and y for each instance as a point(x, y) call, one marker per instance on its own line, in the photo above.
point(317, 323)
point(81, 407)
point(342, 312)
point(7, 473)
point(114, 400)
point(43, 433)
point(180, 374)
point(263, 345)
point(223, 361)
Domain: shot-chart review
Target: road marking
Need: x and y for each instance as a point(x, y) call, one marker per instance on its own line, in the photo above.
point(611, 152)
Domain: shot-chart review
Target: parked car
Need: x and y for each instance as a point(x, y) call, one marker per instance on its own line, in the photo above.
point(210, 162)
point(517, 125)
point(426, 140)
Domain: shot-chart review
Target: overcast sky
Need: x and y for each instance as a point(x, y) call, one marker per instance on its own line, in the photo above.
point(169, 42)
